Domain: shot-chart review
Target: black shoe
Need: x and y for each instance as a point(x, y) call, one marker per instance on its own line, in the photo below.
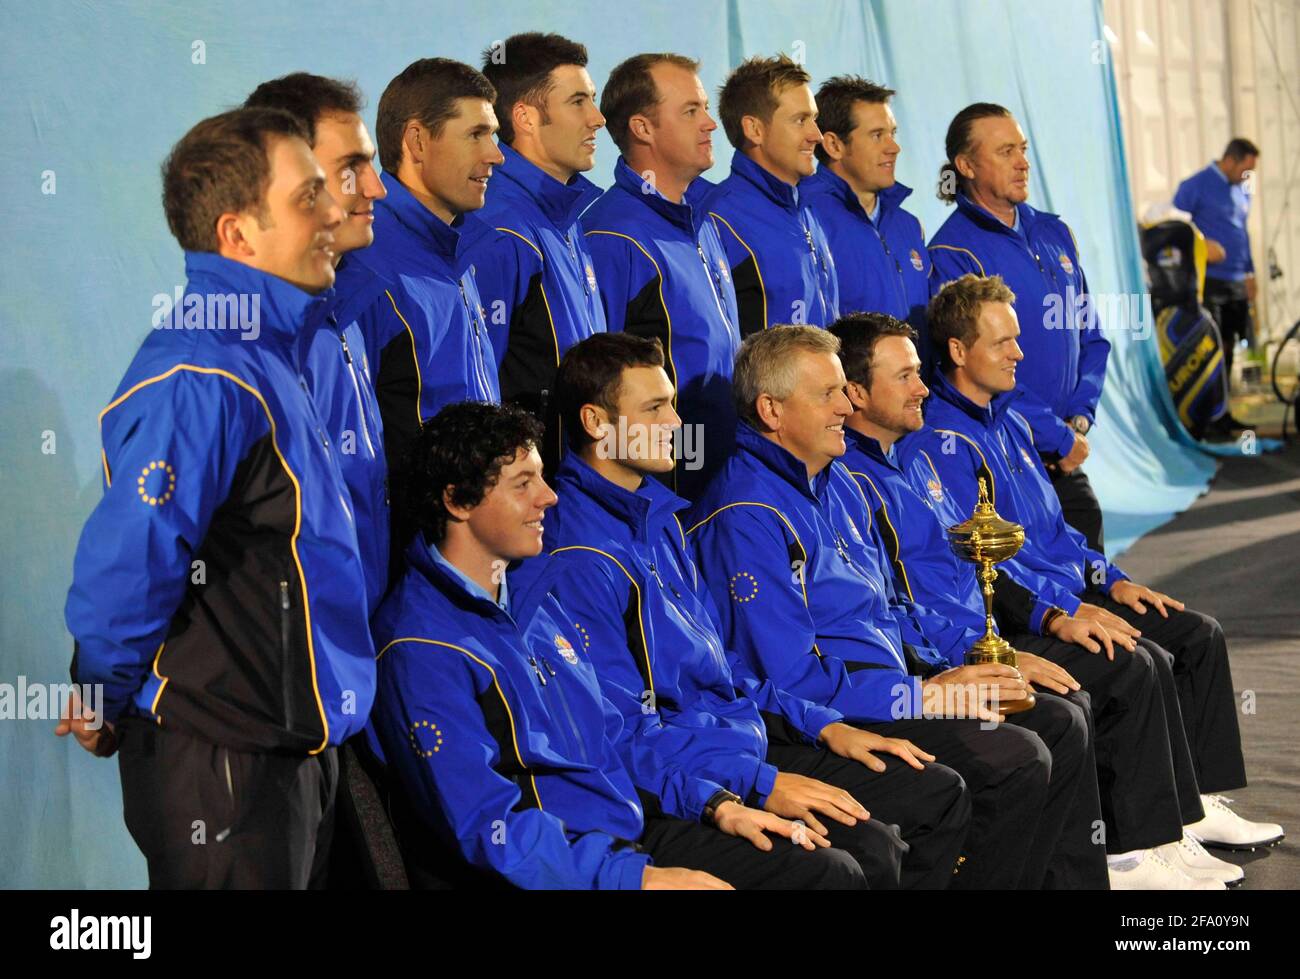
point(1225, 427)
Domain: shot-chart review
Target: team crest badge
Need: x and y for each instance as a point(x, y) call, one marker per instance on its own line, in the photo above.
point(1024, 454)
point(1067, 264)
point(723, 270)
point(565, 649)
point(853, 529)
point(916, 261)
point(936, 490)
point(591, 277)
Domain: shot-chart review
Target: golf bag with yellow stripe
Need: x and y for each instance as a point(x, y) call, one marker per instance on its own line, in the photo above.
point(1191, 347)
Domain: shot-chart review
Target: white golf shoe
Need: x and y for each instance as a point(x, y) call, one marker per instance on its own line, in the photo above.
point(1224, 828)
point(1154, 872)
point(1191, 858)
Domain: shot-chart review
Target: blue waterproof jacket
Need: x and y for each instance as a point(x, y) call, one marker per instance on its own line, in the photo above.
point(664, 273)
point(1065, 349)
point(966, 443)
point(803, 598)
point(498, 735)
point(535, 276)
point(694, 714)
point(338, 371)
point(882, 267)
point(426, 333)
point(781, 262)
point(217, 587)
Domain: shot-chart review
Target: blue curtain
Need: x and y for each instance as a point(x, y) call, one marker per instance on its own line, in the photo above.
point(96, 94)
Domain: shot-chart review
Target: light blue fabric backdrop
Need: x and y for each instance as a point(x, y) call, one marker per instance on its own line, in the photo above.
point(97, 93)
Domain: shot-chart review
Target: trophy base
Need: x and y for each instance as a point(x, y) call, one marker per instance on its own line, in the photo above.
point(995, 649)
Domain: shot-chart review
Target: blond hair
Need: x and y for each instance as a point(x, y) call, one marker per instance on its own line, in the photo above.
point(766, 364)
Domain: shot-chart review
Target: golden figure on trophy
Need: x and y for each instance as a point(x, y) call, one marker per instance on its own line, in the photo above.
point(985, 540)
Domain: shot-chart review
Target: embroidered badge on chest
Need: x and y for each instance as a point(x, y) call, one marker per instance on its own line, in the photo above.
point(591, 277)
point(936, 490)
point(916, 261)
point(565, 649)
point(1067, 264)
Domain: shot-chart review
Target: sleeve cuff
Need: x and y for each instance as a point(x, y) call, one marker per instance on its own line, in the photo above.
point(764, 783)
point(624, 871)
point(817, 720)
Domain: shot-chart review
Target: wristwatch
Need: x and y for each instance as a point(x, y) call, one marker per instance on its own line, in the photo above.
point(710, 814)
point(1080, 424)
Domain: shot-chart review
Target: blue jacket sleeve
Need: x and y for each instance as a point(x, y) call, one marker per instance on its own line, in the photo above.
point(171, 449)
point(772, 629)
point(431, 726)
point(1187, 196)
point(666, 753)
point(804, 716)
point(504, 266)
point(622, 271)
point(1094, 351)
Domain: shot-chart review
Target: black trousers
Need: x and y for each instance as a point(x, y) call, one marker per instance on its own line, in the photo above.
point(1007, 771)
point(927, 812)
point(207, 816)
point(1139, 749)
point(1079, 505)
point(1226, 301)
point(1198, 659)
point(679, 843)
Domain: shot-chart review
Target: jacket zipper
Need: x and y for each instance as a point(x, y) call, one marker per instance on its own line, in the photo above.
point(286, 673)
point(478, 340)
point(356, 387)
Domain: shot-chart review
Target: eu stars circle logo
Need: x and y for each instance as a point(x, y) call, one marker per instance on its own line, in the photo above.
point(743, 587)
point(156, 482)
point(421, 734)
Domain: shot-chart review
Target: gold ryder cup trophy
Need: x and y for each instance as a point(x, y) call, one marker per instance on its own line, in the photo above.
point(986, 539)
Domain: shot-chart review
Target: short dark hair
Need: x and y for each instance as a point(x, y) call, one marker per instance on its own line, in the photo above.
point(958, 141)
point(222, 165)
point(591, 373)
point(521, 72)
point(307, 97)
point(753, 89)
point(858, 334)
point(954, 312)
point(426, 90)
point(1239, 148)
point(464, 447)
point(630, 90)
point(835, 101)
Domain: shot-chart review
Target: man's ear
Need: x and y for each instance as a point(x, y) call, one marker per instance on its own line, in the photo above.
point(525, 118)
point(454, 510)
point(964, 166)
point(857, 394)
point(595, 421)
point(834, 146)
point(769, 411)
point(231, 240)
point(415, 139)
point(957, 351)
point(754, 130)
point(639, 127)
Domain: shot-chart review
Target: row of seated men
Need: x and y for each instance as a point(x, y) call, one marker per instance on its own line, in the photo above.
point(324, 521)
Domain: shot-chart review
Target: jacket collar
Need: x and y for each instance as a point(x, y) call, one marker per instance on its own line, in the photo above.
point(780, 461)
point(689, 215)
point(944, 389)
point(868, 446)
point(777, 191)
point(642, 512)
point(562, 204)
point(283, 309)
point(449, 241)
point(827, 181)
point(419, 556)
point(1029, 216)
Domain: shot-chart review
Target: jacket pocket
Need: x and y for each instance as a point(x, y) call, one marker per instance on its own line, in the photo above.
point(286, 651)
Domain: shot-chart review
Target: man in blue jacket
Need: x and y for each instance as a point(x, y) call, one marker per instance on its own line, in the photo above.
point(490, 716)
point(1218, 200)
point(696, 718)
point(781, 262)
point(976, 431)
point(1145, 766)
point(426, 334)
point(218, 595)
point(536, 277)
point(994, 232)
point(859, 203)
point(662, 270)
point(806, 605)
point(334, 361)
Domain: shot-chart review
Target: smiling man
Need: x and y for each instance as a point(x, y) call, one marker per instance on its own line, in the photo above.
point(536, 276)
point(994, 232)
point(218, 594)
point(859, 202)
point(335, 363)
point(780, 259)
point(976, 430)
point(662, 270)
